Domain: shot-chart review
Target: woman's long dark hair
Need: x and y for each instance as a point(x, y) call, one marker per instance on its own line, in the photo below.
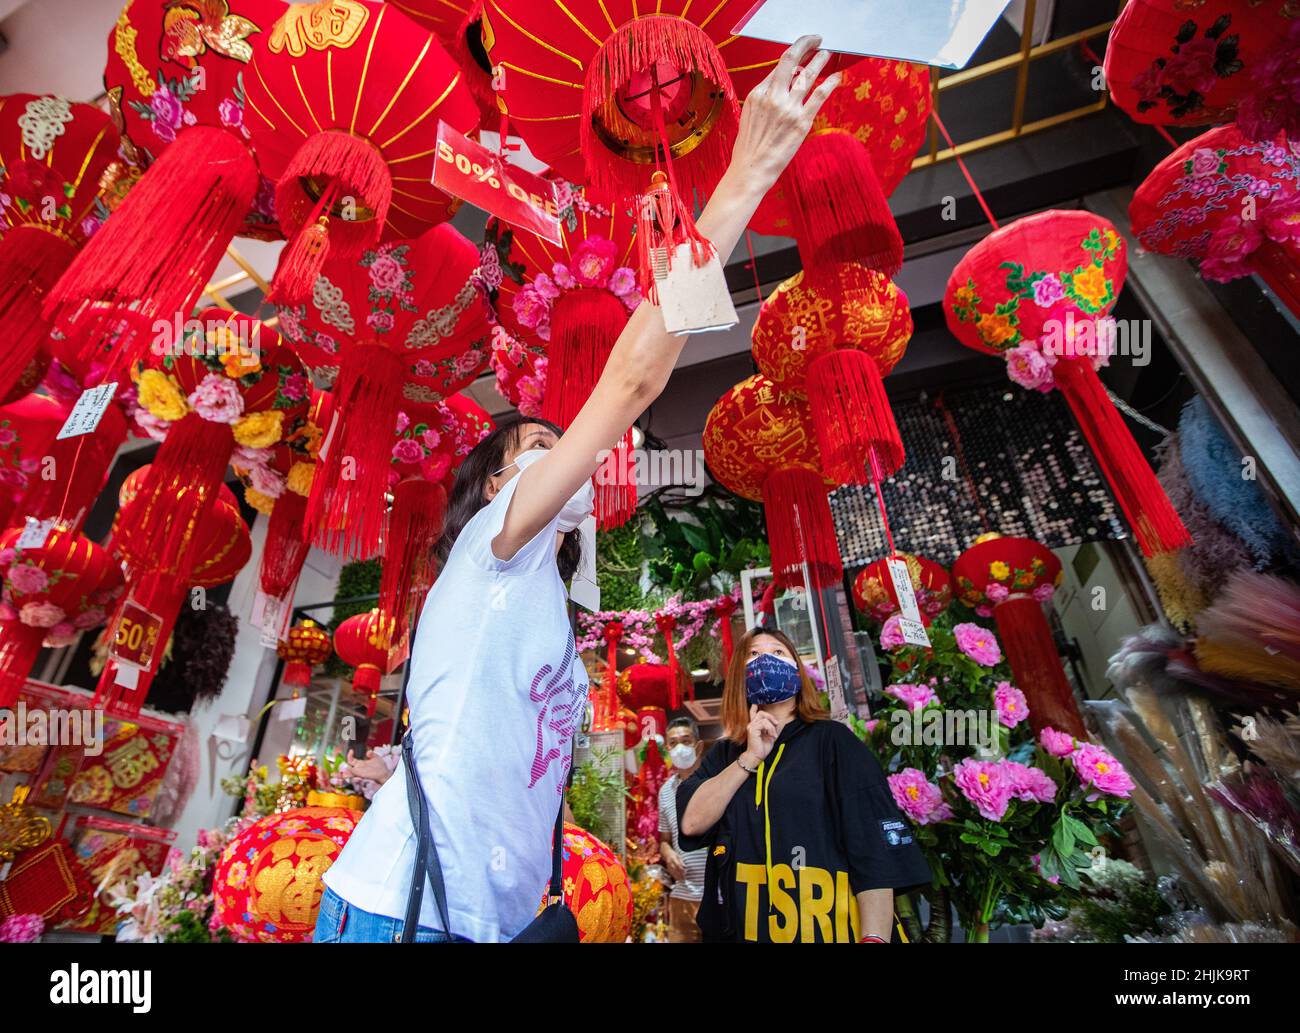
point(467, 494)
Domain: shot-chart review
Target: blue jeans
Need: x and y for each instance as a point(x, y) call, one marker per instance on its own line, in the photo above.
point(341, 922)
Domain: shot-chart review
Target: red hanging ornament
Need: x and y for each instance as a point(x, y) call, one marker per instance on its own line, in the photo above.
point(609, 714)
point(723, 609)
point(1039, 292)
point(78, 469)
point(441, 17)
point(365, 642)
point(874, 594)
point(27, 429)
point(305, 646)
point(666, 623)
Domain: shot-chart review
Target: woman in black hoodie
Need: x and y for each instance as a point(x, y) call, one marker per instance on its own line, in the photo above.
point(805, 842)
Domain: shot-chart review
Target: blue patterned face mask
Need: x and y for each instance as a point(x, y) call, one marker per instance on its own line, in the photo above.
point(770, 679)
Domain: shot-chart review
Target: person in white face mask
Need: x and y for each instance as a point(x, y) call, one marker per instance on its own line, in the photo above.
point(685, 866)
point(496, 688)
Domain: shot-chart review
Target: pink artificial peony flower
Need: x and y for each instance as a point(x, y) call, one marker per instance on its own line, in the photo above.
point(1098, 770)
point(89, 618)
point(622, 282)
point(563, 277)
point(917, 797)
point(25, 578)
point(531, 308)
point(985, 785)
point(978, 644)
point(267, 481)
point(1044, 592)
point(40, 615)
point(408, 451)
point(891, 635)
point(217, 399)
point(386, 273)
point(1057, 744)
point(1012, 706)
point(546, 287)
point(1027, 367)
point(1030, 784)
point(983, 611)
point(430, 438)
point(914, 697)
point(21, 929)
point(594, 261)
point(996, 592)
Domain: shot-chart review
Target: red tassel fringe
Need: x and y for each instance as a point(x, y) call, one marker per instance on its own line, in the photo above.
point(408, 570)
point(81, 467)
point(667, 623)
point(723, 609)
point(664, 223)
point(837, 207)
point(347, 502)
point(800, 528)
point(1037, 669)
point(286, 547)
point(19, 648)
point(615, 481)
point(613, 635)
point(160, 247)
point(1147, 508)
point(852, 417)
point(31, 261)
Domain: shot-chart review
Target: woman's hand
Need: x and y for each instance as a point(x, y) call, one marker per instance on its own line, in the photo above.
point(370, 766)
point(762, 733)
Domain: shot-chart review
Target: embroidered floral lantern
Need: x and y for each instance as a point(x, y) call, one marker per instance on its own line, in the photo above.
point(176, 80)
point(758, 443)
point(404, 322)
point(520, 370)
point(52, 155)
point(27, 429)
point(1229, 203)
point(833, 334)
point(266, 886)
point(365, 642)
point(596, 887)
point(305, 645)
point(874, 595)
point(1012, 578)
point(1039, 292)
point(52, 592)
point(344, 101)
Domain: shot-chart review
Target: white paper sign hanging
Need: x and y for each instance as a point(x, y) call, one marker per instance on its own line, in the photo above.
point(87, 411)
point(583, 589)
point(694, 299)
point(35, 533)
point(909, 617)
point(291, 709)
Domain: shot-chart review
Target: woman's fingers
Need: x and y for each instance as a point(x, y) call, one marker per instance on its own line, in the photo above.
point(818, 96)
point(792, 59)
point(804, 78)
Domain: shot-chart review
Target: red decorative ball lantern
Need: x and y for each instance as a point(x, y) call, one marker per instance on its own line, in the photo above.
point(27, 429)
point(306, 645)
point(758, 443)
point(648, 685)
point(1039, 293)
point(52, 592)
point(365, 642)
point(266, 886)
point(1229, 203)
point(596, 887)
point(1012, 578)
point(834, 335)
point(874, 594)
point(54, 154)
point(344, 101)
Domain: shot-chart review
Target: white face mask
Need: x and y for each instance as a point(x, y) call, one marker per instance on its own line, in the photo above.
point(580, 504)
point(682, 756)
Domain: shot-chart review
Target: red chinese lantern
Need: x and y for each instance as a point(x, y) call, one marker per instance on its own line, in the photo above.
point(596, 887)
point(467, 48)
point(758, 443)
point(1013, 577)
point(344, 101)
point(76, 472)
point(404, 322)
point(576, 297)
point(520, 370)
point(305, 645)
point(647, 685)
point(1170, 62)
point(266, 886)
point(833, 335)
point(365, 642)
point(176, 80)
point(874, 594)
point(1229, 203)
point(441, 17)
point(1039, 292)
point(54, 153)
point(52, 592)
point(27, 429)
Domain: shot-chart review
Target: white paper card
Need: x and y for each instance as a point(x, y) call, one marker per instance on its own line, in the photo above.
point(583, 589)
point(694, 299)
point(291, 709)
point(126, 676)
point(909, 618)
point(87, 411)
point(35, 533)
point(931, 32)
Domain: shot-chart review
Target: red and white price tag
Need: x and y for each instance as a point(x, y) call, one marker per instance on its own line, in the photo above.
point(87, 411)
point(909, 617)
point(135, 639)
point(470, 171)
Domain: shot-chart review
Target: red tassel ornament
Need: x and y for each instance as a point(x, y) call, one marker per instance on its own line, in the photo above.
point(408, 571)
point(667, 624)
point(800, 528)
point(1036, 666)
point(664, 224)
point(609, 714)
point(852, 417)
point(80, 466)
point(31, 262)
point(723, 609)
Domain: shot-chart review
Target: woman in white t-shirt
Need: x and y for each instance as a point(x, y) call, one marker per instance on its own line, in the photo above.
point(496, 688)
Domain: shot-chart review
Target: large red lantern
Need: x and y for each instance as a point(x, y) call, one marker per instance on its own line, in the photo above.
point(266, 886)
point(176, 80)
point(596, 887)
point(758, 443)
point(834, 334)
point(304, 646)
point(344, 101)
point(27, 429)
point(53, 153)
point(648, 685)
point(52, 592)
point(875, 596)
point(1014, 577)
point(404, 322)
point(1039, 293)
point(1231, 204)
point(441, 17)
point(365, 642)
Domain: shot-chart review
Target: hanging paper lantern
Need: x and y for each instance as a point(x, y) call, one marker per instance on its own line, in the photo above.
point(344, 101)
point(266, 886)
point(1229, 203)
point(1012, 578)
point(874, 595)
point(52, 155)
point(1039, 292)
point(758, 443)
point(1170, 62)
point(647, 685)
point(27, 429)
point(596, 887)
point(52, 592)
point(175, 80)
point(885, 106)
point(365, 642)
point(306, 645)
point(441, 17)
point(403, 322)
point(468, 49)
point(833, 335)
point(228, 384)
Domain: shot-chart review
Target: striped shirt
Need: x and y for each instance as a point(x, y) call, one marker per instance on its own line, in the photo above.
point(691, 887)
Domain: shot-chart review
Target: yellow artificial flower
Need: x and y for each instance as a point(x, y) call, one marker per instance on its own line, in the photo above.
point(300, 478)
point(999, 570)
point(1092, 286)
point(996, 329)
point(262, 503)
point(259, 429)
point(159, 395)
point(240, 364)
